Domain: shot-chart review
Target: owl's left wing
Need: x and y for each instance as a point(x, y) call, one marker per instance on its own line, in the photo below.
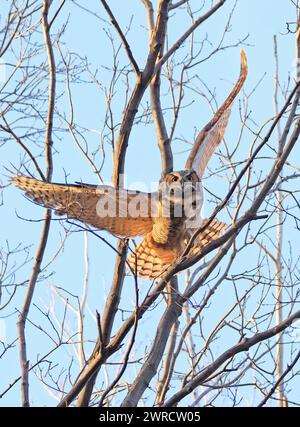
point(121, 212)
point(212, 134)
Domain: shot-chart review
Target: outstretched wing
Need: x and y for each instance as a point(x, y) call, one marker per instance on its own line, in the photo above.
point(121, 212)
point(212, 134)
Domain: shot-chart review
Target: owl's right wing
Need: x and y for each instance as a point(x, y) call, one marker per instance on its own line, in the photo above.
point(212, 134)
point(122, 212)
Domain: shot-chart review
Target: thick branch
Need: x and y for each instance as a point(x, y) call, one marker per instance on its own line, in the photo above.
point(108, 317)
point(139, 90)
point(154, 358)
point(161, 130)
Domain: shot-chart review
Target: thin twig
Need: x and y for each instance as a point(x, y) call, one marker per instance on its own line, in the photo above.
point(122, 37)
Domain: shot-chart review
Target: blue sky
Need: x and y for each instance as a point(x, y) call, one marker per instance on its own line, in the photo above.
point(85, 35)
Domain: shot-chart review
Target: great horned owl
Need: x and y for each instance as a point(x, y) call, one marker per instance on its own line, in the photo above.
point(166, 218)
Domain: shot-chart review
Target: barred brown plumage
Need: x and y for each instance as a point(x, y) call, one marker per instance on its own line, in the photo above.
point(151, 259)
point(81, 201)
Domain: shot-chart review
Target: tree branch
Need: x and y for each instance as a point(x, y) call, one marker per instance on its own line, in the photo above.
point(122, 37)
point(244, 345)
point(45, 232)
point(155, 355)
point(188, 32)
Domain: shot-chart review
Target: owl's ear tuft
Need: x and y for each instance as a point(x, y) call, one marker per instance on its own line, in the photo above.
point(162, 177)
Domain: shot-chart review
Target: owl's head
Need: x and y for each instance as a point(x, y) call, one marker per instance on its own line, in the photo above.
point(182, 189)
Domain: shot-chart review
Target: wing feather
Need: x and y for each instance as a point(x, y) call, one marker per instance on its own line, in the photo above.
point(212, 134)
point(124, 213)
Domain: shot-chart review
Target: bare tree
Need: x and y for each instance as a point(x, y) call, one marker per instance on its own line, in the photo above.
point(218, 326)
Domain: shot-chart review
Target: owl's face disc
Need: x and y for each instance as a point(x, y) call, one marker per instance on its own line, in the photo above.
point(181, 193)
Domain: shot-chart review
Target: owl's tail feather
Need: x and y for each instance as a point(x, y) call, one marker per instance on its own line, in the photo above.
point(150, 260)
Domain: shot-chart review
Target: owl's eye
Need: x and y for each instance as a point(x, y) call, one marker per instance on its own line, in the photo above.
point(174, 178)
point(189, 178)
